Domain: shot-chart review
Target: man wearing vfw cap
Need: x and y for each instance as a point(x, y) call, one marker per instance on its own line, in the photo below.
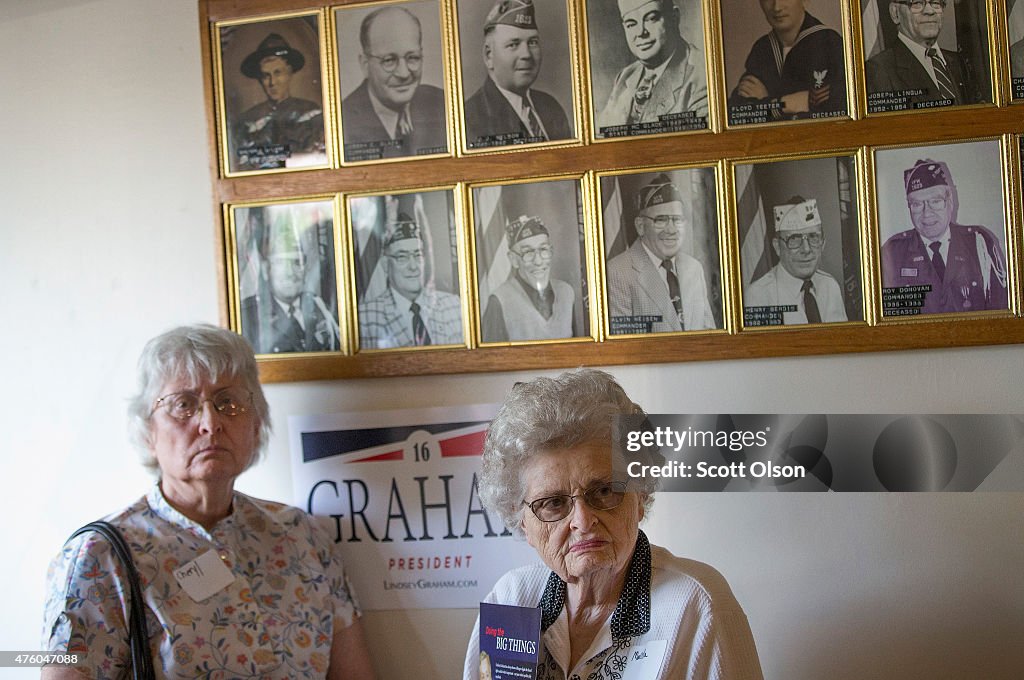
point(408, 313)
point(964, 265)
point(530, 305)
point(796, 280)
point(282, 120)
point(507, 109)
point(669, 74)
point(654, 277)
point(283, 315)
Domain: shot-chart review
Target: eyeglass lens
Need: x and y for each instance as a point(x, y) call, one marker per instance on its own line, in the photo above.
point(601, 497)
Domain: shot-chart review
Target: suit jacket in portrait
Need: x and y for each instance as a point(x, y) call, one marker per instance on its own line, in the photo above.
point(488, 114)
point(1017, 59)
point(780, 288)
point(269, 329)
point(683, 86)
point(636, 288)
point(896, 70)
point(381, 324)
point(975, 277)
point(362, 126)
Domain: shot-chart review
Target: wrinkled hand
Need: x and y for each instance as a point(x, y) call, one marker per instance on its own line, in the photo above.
point(752, 88)
point(795, 102)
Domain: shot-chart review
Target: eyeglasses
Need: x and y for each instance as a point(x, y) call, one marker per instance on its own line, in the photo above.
point(231, 401)
point(661, 222)
point(917, 6)
point(389, 62)
point(405, 257)
point(531, 255)
point(603, 496)
point(935, 204)
point(796, 241)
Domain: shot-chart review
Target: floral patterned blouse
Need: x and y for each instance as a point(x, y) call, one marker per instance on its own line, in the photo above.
point(276, 618)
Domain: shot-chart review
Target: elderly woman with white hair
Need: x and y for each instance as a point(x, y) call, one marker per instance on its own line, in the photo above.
point(269, 598)
point(612, 605)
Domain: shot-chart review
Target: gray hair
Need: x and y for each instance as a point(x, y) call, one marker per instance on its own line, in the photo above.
point(200, 352)
point(575, 408)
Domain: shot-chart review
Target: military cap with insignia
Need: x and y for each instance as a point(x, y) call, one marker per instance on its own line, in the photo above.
point(659, 190)
point(404, 227)
point(518, 13)
point(796, 214)
point(523, 228)
point(925, 174)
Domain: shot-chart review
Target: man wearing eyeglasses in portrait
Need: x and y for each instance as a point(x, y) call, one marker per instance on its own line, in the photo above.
point(392, 113)
point(283, 315)
point(655, 286)
point(795, 291)
point(955, 267)
point(915, 72)
point(409, 312)
point(530, 305)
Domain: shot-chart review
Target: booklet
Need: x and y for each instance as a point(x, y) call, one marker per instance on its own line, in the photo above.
point(509, 642)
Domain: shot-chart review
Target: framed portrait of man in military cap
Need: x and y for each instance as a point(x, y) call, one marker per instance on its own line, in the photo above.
point(925, 54)
point(648, 71)
point(407, 252)
point(532, 276)
point(784, 60)
point(392, 82)
point(942, 229)
point(663, 270)
point(285, 294)
point(800, 254)
point(1015, 29)
point(271, 87)
point(516, 62)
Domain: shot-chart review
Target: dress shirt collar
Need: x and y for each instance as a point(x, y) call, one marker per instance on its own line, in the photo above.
point(789, 286)
point(943, 248)
point(516, 102)
point(920, 53)
point(164, 510)
point(388, 117)
point(537, 298)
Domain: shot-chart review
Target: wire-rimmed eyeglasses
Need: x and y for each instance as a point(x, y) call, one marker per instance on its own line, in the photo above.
point(917, 6)
point(389, 62)
point(230, 401)
point(604, 496)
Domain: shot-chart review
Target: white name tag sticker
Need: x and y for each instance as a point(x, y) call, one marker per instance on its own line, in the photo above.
point(204, 576)
point(644, 660)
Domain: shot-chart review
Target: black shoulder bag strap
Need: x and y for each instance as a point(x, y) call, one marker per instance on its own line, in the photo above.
point(138, 636)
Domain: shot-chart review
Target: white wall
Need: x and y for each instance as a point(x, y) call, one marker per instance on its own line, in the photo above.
point(106, 238)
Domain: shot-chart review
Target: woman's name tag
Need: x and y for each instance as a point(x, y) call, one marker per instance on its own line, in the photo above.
point(644, 660)
point(204, 576)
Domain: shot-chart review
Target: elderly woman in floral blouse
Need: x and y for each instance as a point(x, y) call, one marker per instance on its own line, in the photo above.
point(274, 601)
point(612, 604)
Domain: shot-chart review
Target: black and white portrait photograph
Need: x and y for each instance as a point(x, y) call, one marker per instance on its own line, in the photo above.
point(661, 248)
point(942, 229)
point(784, 60)
point(392, 80)
point(531, 261)
point(287, 277)
point(1015, 27)
point(407, 270)
point(799, 242)
point(517, 72)
point(273, 95)
point(648, 71)
point(923, 54)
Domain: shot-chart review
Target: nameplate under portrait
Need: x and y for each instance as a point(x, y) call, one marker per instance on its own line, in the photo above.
point(271, 88)
point(662, 259)
point(532, 274)
point(799, 241)
point(942, 229)
point(925, 54)
point(392, 81)
point(517, 61)
point(784, 61)
point(284, 293)
point(407, 255)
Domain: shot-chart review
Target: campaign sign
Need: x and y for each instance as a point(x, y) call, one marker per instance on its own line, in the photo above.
point(399, 491)
point(509, 642)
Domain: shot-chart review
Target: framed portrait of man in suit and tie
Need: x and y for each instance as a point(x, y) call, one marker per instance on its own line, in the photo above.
point(406, 251)
point(799, 241)
point(284, 296)
point(1015, 32)
point(942, 229)
point(516, 60)
point(662, 260)
point(392, 81)
point(926, 54)
point(648, 69)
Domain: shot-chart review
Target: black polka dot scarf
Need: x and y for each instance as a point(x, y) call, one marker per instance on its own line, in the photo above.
point(632, 613)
